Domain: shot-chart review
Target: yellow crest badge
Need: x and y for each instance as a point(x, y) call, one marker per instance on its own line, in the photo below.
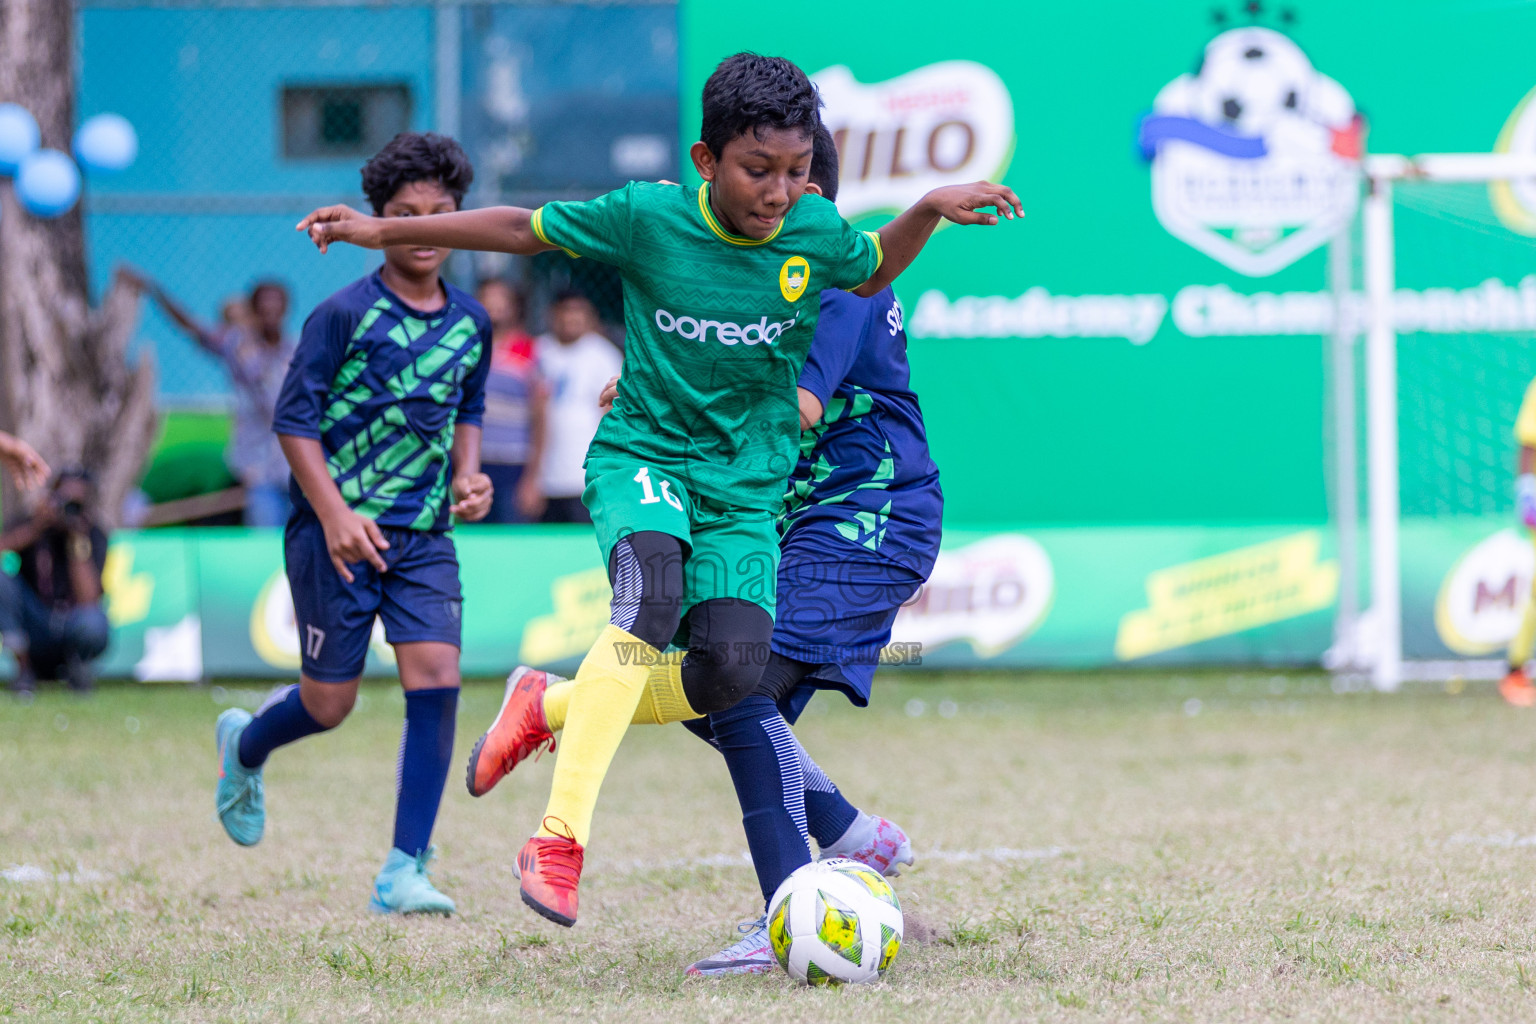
point(794, 275)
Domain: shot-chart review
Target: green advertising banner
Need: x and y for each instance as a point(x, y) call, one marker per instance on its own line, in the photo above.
point(198, 604)
point(152, 602)
point(221, 604)
point(1148, 345)
point(1126, 393)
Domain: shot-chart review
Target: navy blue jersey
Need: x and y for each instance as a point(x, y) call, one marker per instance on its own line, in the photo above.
point(380, 385)
point(864, 470)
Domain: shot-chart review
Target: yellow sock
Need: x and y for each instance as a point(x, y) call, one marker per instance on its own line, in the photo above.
point(607, 688)
point(1525, 636)
point(663, 700)
point(557, 700)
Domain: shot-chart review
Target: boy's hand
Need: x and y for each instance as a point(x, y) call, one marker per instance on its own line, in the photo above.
point(610, 392)
point(962, 203)
point(472, 492)
point(343, 224)
point(23, 462)
point(350, 537)
point(1525, 499)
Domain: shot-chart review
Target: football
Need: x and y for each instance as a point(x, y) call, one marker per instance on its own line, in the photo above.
point(834, 922)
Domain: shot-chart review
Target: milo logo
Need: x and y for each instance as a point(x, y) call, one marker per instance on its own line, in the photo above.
point(899, 139)
point(991, 593)
point(1484, 595)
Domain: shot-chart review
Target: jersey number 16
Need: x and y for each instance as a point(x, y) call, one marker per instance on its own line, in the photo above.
point(643, 478)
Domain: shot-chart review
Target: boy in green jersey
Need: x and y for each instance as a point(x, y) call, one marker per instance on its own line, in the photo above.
point(722, 288)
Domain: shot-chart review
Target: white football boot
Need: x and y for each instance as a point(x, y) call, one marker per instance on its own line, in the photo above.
point(875, 842)
point(752, 955)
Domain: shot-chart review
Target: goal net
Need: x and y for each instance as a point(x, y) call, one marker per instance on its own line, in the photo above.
point(1436, 343)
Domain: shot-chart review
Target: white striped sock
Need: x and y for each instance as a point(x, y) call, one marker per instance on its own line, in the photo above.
point(787, 751)
point(277, 696)
point(405, 730)
point(815, 779)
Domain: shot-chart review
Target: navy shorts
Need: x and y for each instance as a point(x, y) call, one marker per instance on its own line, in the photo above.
point(837, 616)
point(418, 598)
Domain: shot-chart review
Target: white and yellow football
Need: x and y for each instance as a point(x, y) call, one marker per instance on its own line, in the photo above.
point(835, 921)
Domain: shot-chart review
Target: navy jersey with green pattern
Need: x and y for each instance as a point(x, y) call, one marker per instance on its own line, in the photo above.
point(381, 385)
point(865, 485)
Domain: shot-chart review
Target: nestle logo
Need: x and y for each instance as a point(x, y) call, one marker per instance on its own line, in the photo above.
point(726, 333)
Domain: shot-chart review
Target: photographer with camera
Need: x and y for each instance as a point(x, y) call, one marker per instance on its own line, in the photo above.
point(51, 615)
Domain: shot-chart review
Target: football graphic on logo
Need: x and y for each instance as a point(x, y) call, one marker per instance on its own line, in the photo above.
point(1255, 155)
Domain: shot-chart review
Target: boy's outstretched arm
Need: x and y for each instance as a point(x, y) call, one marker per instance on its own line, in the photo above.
point(903, 238)
point(178, 314)
point(492, 229)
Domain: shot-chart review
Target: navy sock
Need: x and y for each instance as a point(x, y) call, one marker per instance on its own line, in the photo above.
point(282, 719)
point(426, 748)
point(827, 813)
point(700, 728)
point(765, 763)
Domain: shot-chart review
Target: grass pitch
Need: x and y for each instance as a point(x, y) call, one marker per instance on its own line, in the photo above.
point(1140, 847)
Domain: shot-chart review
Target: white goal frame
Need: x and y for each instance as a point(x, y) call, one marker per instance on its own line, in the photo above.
point(1377, 638)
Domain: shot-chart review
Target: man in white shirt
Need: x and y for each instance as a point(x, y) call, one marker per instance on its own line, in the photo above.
point(576, 363)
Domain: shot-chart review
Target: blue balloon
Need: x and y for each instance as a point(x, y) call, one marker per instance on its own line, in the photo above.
point(48, 183)
point(106, 142)
point(18, 136)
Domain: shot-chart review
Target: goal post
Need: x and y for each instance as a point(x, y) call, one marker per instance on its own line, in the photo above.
point(1377, 639)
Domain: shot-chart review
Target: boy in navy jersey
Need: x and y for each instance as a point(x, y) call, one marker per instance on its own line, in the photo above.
point(379, 418)
point(859, 536)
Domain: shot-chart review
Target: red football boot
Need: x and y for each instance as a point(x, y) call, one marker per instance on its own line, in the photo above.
point(519, 730)
point(1517, 689)
point(550, 867)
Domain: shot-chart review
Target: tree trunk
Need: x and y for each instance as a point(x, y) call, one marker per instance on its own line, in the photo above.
point(65, 384)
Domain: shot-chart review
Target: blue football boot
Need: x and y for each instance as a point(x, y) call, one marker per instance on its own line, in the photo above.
point(240, 798)
point(402, 886)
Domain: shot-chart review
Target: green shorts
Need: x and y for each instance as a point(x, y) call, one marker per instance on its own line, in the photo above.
point(730, 551)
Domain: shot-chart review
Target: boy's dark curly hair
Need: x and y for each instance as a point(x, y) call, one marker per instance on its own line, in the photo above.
point(825, 164)
point(748, 91)
point(416, 156)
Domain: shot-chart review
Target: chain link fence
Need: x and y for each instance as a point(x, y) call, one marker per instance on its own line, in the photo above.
point(250, 114)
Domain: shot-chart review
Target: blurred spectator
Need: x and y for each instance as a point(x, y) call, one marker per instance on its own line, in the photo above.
point(51, 615)
point(24, 464)
point(575, 362)
point(515, 408)
point(251, 342)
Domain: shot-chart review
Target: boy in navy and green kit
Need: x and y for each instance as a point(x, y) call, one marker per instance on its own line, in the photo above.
point(722, 288)
point(379, 418)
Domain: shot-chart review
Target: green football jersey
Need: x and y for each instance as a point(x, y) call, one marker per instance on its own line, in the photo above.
point(717, 328)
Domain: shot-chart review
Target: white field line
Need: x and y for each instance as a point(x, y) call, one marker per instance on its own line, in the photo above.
point(1507, 840)
point(1000, 854)
point(33, 873)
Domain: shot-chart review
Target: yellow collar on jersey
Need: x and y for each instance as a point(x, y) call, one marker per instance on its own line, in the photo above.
point(726, 236)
